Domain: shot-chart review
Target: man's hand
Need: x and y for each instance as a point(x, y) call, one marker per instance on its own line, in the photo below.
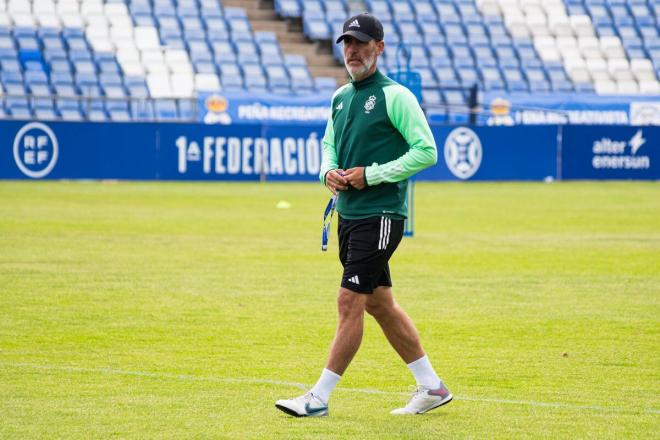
point(335, 181)
point(355, 177)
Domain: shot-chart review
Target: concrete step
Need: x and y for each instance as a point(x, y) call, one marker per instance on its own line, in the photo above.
point(308, 50)
point(326, 61)
point(292, 37)
point(339, 73)
point(319, 58)
point(261, 14)
point(271, 26)
point(245, 4)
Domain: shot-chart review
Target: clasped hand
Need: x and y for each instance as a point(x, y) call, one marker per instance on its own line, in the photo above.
point(340, 180)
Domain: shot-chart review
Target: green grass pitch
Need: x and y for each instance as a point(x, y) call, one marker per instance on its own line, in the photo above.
point(184, 310)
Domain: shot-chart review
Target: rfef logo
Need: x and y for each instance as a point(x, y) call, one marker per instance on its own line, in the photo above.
point(35, 150)
point(463, 152)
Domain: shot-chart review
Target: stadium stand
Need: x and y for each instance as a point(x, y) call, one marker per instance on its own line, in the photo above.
point(148, 59)
point(530, 46)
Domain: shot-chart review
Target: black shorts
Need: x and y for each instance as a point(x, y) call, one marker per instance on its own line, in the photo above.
point(365, 247)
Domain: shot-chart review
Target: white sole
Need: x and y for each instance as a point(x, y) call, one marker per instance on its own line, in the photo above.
point(441, 403)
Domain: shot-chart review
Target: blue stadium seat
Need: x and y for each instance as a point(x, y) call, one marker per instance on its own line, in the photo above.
point(69, 109)
point(380, 9)
point(454, 98)
point(316, 28)
point(418, 56)
point(10, 78)
point(61, 69)
point(432, 40)
point(214, 33)
point(288, 8)
point(9, 65)
point(427, 77)
point(73, 32)
point(27, 43)
point(35, 77)
point(605, 30)
point(514, 80)
point(325, 84)
point(165, 110)
point(293, 60)
point(53, 42)
point(230, 75)
point(210, 9)
point(60, 66)
point(142, 110)
point(114, 90)
point(467, 77)
point(80, 55)
point(492, 79)
point(447, 77)
point(271, 60)
point(431, 97)
point(424, 11)
point(19, 111)
point(96, 114)
point(204, 67)
point(118, 111)
point(84, 66)
point(247, 58)
point(65, 90)
point(186, 110)
point(584, 87)
point(246, 48)
point(269, 48)
point(537, 80)
point(300, 78)
point(278, 77)
point(223, 51)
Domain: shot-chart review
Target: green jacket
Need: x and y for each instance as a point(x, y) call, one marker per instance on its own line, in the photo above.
point(377, 123)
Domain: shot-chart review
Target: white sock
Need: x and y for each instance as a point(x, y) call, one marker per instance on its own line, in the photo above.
point(327, 382)
point(424, 373)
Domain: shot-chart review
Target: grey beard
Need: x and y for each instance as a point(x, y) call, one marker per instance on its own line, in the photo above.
point(369, 62)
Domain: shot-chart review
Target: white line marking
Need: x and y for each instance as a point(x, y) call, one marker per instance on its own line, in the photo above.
point(190, 377)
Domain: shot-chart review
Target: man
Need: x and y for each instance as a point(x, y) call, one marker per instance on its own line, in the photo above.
point(376, 138)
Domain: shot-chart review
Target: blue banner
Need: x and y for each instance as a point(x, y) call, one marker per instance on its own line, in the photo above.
point(610, 152)
point(70, 150)
point(494, 153)
point(252, 152)
point(239, 152)
point(566, 108)
point(249, 108)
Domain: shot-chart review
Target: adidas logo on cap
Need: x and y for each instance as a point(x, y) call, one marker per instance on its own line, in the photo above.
point(364, 27)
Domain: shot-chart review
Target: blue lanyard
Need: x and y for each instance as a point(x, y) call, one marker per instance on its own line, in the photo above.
point(327, 218)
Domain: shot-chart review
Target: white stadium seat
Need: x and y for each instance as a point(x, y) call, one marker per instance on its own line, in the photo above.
point(207, 82)
point(606, 87)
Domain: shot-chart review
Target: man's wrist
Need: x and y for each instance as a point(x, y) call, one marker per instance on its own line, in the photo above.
point(325, 175)
point(371, 175)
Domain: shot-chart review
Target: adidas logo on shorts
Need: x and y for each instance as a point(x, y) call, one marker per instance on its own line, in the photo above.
point(354, 280)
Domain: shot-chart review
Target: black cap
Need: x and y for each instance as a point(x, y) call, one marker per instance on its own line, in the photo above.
point(364, 27)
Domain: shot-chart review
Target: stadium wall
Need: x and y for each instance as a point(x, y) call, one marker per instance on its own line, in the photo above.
point(253, 152)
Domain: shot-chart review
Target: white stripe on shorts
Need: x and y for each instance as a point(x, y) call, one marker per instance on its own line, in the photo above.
point(384, 238)
point(380, 236)
point(387, 234)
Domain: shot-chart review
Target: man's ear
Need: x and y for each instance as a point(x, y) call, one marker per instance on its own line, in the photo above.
point(380, 47)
